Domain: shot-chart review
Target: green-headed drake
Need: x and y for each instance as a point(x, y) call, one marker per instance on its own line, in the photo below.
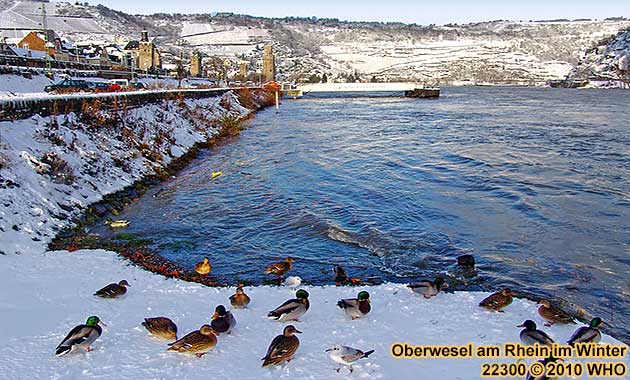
point(356, 307)
point(543, 376)
point(428, 288)
point(82, 336)
point(530, 335)
point(587, 334)
point(292, 309)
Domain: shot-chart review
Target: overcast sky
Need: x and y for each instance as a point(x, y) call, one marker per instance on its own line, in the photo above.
point(420, 12)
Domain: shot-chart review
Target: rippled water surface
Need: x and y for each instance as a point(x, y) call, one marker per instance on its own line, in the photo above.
point(533, 182)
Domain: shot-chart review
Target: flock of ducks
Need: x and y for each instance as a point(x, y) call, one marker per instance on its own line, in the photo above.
point(531, 335)
point(284, 346)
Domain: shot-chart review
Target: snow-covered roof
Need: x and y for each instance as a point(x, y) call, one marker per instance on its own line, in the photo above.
point(13, 41)
point(14, 33)
point(22, 52)
point(132, 45)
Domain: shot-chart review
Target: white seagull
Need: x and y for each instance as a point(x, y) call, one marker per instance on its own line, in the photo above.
point(346, 355)
point(292, 282)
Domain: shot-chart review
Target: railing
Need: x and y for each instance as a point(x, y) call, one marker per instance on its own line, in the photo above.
point(22, 107)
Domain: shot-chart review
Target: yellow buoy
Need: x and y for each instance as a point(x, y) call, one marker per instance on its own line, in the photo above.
point(216, 174)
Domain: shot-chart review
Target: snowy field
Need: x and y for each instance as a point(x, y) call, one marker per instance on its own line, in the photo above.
point(53, 292)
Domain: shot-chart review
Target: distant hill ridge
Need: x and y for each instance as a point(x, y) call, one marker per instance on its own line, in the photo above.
point(519, 52)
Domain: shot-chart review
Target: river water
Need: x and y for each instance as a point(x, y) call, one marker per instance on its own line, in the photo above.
point(535, 183)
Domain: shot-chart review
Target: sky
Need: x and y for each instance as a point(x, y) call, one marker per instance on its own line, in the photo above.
point(419, 12)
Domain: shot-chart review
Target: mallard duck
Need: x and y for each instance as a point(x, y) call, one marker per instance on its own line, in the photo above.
point(203, 267)
point(279, 269)
point(117, 223)
point(356, 307)
point(198, 342)
point(161, 327)
point(544, 375)
point(530, 335)
point(341, 277)
point(553, 314)
point(222, 320)
point(466, 261)
point(428, 288)
point(282, 347)
point(498, 300)
point(292, 309)
point(346, 355)
point(239, 300)
point(82, 336)
point(113, 290)
point(587, 334)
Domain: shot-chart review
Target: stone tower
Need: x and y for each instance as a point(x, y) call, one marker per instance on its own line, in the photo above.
point(269, 64)
point(243, 68)
point(196, 69)
point(148, 56)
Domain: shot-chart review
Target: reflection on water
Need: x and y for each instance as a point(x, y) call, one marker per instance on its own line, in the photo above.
point(533, 182)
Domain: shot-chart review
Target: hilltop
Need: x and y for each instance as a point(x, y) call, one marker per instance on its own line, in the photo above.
point(519, 52)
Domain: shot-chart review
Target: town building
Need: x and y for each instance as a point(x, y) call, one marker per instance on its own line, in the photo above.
point(39, 41)
point(243, 70)
point(196, 68)
point(269, 64)
point(144, 53)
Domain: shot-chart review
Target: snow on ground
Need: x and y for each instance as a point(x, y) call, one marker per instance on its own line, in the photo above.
point(48, 172)
point(52, 293)
point(10, 85)
point(46, 294)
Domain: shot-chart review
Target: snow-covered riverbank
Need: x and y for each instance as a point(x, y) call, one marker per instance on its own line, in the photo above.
point(49, 171)
point(48, 294)
point(53, 167)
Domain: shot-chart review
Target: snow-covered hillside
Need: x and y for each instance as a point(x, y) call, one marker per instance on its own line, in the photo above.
point(522, 52)
point(610, 58)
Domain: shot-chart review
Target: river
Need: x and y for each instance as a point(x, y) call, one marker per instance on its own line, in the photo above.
point(533, 182)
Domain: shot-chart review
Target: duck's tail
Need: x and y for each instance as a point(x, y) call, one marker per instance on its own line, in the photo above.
point(368, 353)
point(341, 304)
point(62, 350)
point(273, 315)
point(270, 361)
